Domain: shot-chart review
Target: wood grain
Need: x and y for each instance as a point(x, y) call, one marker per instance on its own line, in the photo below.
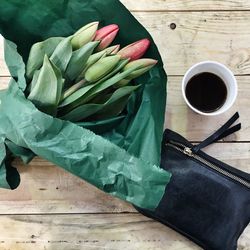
point(46, 188)
point(3, 68)
point(200, 36)
point(195, 127)
point(181, 5)
point(220, 36)
point(191, 125)
point(103, 231)
point(4, 81)
point(53, 205)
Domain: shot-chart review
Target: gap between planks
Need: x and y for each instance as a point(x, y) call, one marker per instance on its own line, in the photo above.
point(66, 214)
point(185, 11)
point(126, 213)
point(46, 188)
point(187, 5)
point(88, 232)
point(102, 231)
point(193, 126)
point(220, 36)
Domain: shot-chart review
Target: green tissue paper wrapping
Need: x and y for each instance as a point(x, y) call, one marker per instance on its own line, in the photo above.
point(119, 156)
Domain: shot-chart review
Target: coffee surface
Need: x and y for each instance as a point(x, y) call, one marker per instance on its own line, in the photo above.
point(206, 92)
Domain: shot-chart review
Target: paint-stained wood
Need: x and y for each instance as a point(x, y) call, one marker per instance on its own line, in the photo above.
point(103, 231)
point(188, 5)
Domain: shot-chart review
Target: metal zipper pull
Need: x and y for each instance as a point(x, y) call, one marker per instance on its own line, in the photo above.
point(188, 151)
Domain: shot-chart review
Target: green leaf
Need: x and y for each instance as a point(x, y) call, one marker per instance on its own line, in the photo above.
point(75, 96)
point(62, 54)
point(78, 60)
point(101, 68)
point(117, 69)
point(81, 112)
point(92, 59)
point(100, 87)
point(122, 83)
point(121, 64)
point(112, 107)
point(47, 90)
point(37, 53)
point(34, 79)
point(100, 99)
point(60, 84)
point(87, 93)
point(116, 104)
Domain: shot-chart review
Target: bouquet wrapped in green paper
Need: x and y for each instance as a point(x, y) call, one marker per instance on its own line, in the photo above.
point(79, 78)
point(90, 107)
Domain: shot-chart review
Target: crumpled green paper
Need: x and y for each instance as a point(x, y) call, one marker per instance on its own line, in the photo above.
point(123, 160)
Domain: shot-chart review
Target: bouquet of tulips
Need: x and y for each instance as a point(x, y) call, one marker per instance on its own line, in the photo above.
point(81, 102)
point(81, 78)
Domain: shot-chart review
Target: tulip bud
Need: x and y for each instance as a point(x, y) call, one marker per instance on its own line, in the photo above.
point(135, 50)
point(101, 68)
point(106, 36)
point(112, 50)
point(97, 56)
point(92, 60)
point(142, 65)
point(84, 35)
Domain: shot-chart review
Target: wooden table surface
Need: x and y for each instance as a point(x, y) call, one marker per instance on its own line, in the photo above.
point(55, 210)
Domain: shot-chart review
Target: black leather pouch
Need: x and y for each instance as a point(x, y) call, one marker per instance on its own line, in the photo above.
point(207, 200)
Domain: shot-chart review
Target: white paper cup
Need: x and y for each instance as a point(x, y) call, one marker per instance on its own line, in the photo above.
point(224, 73)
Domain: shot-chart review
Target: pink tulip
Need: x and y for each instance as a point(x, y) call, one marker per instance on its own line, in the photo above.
point(135, 50)
point(106, 36)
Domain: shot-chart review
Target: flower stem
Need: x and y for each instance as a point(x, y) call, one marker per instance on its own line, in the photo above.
point(73, 89)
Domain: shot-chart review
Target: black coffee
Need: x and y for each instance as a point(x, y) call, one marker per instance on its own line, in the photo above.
point(206, 92)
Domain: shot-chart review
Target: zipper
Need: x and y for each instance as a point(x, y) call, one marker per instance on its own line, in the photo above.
point(188, 151)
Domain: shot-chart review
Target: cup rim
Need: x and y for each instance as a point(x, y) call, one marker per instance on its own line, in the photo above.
point(221, 110)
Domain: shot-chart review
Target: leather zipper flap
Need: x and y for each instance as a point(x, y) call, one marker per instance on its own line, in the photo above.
point(186, 150)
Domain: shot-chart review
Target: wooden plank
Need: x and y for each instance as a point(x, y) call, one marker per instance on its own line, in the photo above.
point(50, 190)
point(191, 5)
point(200, 36)
point(63, 193)
point(103, 231)
point(195, 127)
point(4, 81)
point(191, 125)
point(220, 36)
point(3, 68)
point(47, 189)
